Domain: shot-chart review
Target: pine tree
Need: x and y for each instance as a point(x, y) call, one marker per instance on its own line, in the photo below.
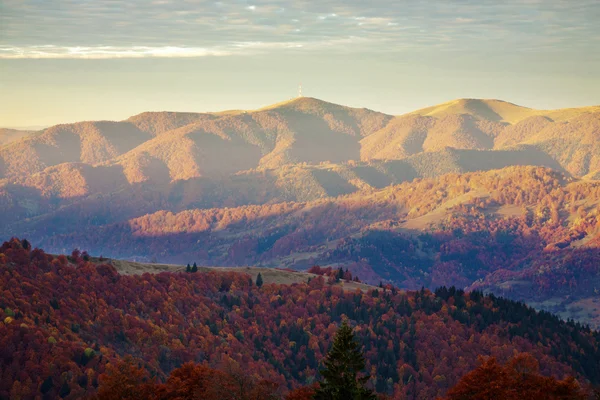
point(188, 268)
point(342, 365)
point(259, 280)
point(194, 268)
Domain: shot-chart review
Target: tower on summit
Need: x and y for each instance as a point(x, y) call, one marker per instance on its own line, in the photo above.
point(300, 90)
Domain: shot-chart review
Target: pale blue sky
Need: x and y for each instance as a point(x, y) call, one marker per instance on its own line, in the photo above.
point(68, 60)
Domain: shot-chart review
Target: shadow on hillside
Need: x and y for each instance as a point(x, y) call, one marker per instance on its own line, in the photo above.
point(474, 160)
point(373, 176)
point(482, 109)
point(333, 183)
point(316, 142)
point(124, 136)
point(66, 147)
point(218, 156)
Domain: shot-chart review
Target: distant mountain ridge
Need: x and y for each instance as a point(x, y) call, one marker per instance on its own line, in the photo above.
point(500, 111)
point(8, 135)
point(187, 145)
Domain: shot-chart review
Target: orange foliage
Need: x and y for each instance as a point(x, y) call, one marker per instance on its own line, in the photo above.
point(518, 379)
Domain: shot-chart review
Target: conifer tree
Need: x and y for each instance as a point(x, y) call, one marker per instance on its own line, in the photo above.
point(259, 280)
point(194, 268)
point(342, 364)
point(188, 268)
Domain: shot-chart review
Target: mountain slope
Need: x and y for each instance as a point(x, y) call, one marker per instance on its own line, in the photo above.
point(185, 145)
point(575, 144)
point(85, 195)
point(172, 146)
point(499, 111)
point(12, 135)
point(156, 123)
point(87, 142)
point(472, 216)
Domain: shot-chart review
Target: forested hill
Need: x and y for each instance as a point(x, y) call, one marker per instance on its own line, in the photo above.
point(65, 320)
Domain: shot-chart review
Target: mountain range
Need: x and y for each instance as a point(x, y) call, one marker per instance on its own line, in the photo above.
point(414, 200)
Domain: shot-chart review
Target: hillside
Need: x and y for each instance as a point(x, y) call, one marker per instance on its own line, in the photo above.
point(87, 142)
point(85, 195)
point(429, 232)
point(12, 135)
point(184, 145)
point(66, 321)
point(574, 144)
point(189, 145)
point(499, 111)
point(269, 275)
point(480, 109)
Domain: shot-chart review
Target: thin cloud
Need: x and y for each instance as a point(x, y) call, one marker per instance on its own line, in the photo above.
point(462, 20)
point(104, 52)
point(107, 52)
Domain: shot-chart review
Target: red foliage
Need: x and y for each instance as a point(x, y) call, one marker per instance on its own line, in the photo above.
point(302, 393)
point(518, 379)
point(124, 381)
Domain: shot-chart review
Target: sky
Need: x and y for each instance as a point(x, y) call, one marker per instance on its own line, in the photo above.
point(71, 60)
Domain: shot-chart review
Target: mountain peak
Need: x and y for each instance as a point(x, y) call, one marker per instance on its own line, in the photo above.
point(301, 103)
point(484, 109)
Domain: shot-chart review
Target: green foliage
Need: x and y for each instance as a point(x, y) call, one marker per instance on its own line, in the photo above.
point(188, 268)
point(239, 335)
point(194, 268)
point(89, 352)
point(259, 280)
point(342, 365)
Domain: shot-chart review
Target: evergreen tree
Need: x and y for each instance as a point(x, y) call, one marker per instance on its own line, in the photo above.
point(188, 268)
point(194, 268)
point(259, 280)
point(342, 365)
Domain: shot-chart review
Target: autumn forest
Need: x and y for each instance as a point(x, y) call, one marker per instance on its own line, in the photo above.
point(73, 328)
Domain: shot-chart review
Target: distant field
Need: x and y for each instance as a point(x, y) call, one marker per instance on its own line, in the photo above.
point(270, 275)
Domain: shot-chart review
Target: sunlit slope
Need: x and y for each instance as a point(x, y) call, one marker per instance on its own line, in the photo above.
point(499, 111)
point(12, 135)
point(186, 145)
point(90, 142)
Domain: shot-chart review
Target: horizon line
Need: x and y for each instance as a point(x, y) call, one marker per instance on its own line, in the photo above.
point(282, 103)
